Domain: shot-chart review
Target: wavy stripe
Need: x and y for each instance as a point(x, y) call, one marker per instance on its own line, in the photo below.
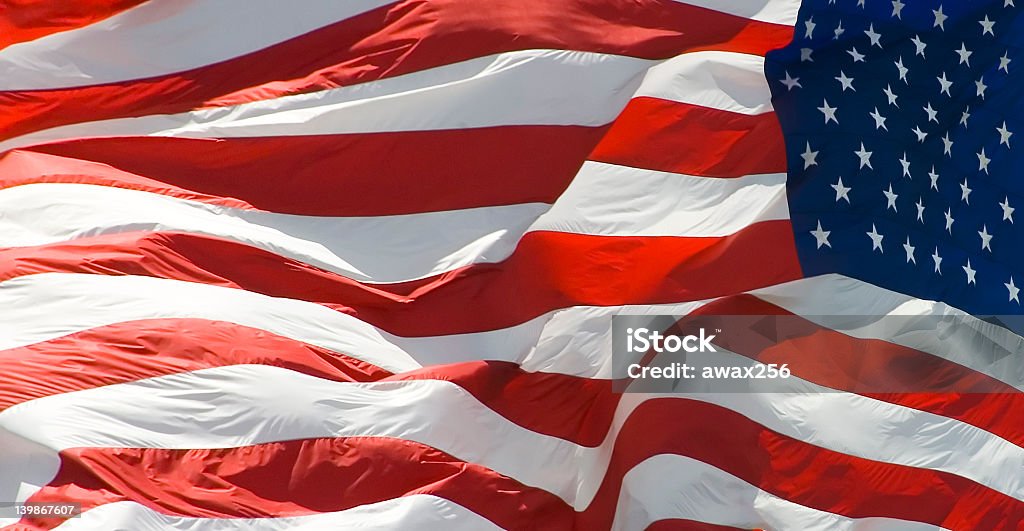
point(146, 28)
point(548, 271)
point(675, 487)
point(574, 340)
point(373, 249)
point(391, 249)
point(584, 411)
point(936, 328)
point(136, 350)
point(532, 87)
point(55, 310)
point(325, 475)
point(26, 21)
point(368, 47)
point(372, 174)
point(238, 406)
point(418, 511)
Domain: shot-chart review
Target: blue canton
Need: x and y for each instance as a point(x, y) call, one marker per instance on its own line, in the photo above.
point(904, 125)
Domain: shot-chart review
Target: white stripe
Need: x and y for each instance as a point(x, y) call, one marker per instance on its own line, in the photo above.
point(933, 327)
point(243, 405)
point(720, 80)
point(658, 203)
point(775, 11)
point(417, 511)
point(371, 249)
point(575, 341)
point(397, 248)
point(52, 305)
point(677, 487)
point(531, 87)
point(157, 38)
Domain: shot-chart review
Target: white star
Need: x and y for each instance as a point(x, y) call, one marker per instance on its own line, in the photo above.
point(965, 192)
point(902, 69)
point(829, 112)
point(920, 210)
point(846, 82)
point(947, 145)
point(809, 28)
point(879, 120)
point(876, 239)
point(857, 56)
point(860, 3)
point(940, 18)
point(890, 199)
point(842, 192)
point(897, 9)
point(906, 164)
point(983, 161)
point(1014, 290)
point(920, 134)
point(970, 272)
point(986, 238)
point(838, 31)
point(981, 87)
point(1008, 3)
point(986, 26)
point(805, 55)
point(944, 85)
point(821, 236)
point(791, 82)
point(965, 54)
point(1007, 210)
point(1004, 63)
point(865, 156)
point(935, 179)
point(964, 117)
point(920, 45)
point(809, 157)
point(938, 261)
point(910, 251)
point(875, 38)
point(949, 220)
point(891, 95)
point(932, 113)
point(1004, 134)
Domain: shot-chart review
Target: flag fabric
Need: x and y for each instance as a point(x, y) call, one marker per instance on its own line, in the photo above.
point(352, 265)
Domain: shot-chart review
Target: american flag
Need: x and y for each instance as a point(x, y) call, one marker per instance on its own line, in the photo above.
point(326, 264)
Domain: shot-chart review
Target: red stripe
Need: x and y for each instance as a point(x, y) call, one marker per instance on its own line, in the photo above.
point(334, 474)
point(135, 350)
point(802, 473)
point(678, 137)
point(408, 36)
point(26, 20)
point(294, 478)
point(869, 367)
point(372, 174)
point(548, 271)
